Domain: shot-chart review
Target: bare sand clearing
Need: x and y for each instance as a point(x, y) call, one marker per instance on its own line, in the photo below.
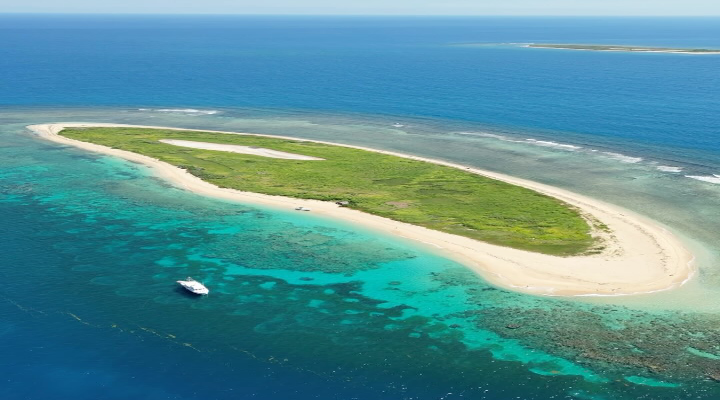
point(640, 256)
point(256, 151)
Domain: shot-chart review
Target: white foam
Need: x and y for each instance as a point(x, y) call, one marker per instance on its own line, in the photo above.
point(569, 147)
point(487, 135)
point(623, 157)
point(666, 168)
point(190, 111)
point(555, 145)
point(710, 179)
point(535, 142)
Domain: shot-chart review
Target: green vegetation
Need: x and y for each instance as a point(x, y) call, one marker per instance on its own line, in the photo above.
point(597, 47)
point(421, 193)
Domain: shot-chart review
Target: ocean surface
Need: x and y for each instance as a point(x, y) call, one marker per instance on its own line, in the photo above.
point(308, 308)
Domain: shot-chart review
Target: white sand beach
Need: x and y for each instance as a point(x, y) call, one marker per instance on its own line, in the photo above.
point(640, 256)
point(257, 151)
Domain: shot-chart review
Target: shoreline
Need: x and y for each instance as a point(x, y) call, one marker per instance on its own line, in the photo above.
point(640, 256)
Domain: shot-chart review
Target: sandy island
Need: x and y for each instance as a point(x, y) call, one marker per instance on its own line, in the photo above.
point(640, 256)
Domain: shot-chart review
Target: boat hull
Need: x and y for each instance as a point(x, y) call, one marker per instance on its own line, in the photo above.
point(194, 287)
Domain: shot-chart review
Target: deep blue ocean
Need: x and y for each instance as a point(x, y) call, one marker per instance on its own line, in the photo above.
point(305, 308)
point(379, 66)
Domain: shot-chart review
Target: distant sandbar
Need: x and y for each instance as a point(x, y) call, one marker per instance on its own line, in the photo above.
point(636, 49)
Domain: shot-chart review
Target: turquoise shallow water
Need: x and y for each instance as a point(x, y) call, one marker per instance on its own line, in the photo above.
point(100, 244)
point(308, 308)
point(318, 306)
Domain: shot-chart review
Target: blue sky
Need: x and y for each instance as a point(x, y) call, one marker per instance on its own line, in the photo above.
point(383, 7)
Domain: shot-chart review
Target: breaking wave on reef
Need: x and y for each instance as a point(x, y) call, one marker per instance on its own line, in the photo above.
point(186, 111)
point(714, 178)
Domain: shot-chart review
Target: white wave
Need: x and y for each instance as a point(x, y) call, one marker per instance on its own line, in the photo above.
point(486, 135)
point(190, 111)
point(535, 142)
point(666, 168)
point(569, 147)
point(623, 157)
point(710, 179)
point(555, 145)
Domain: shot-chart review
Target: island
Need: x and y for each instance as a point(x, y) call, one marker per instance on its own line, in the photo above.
point(637, 49)
point(517, 234)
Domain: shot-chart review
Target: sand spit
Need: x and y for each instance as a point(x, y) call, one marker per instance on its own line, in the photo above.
point(640, 256)
point(256, 151)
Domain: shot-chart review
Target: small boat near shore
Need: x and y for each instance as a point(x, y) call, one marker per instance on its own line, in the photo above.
point(194, 286)
point(302, 209)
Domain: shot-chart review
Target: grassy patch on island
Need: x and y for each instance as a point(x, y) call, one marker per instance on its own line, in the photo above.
point(434, 196)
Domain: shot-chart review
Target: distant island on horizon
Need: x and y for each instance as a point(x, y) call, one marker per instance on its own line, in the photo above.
point(600, 47)
point(639, 49)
